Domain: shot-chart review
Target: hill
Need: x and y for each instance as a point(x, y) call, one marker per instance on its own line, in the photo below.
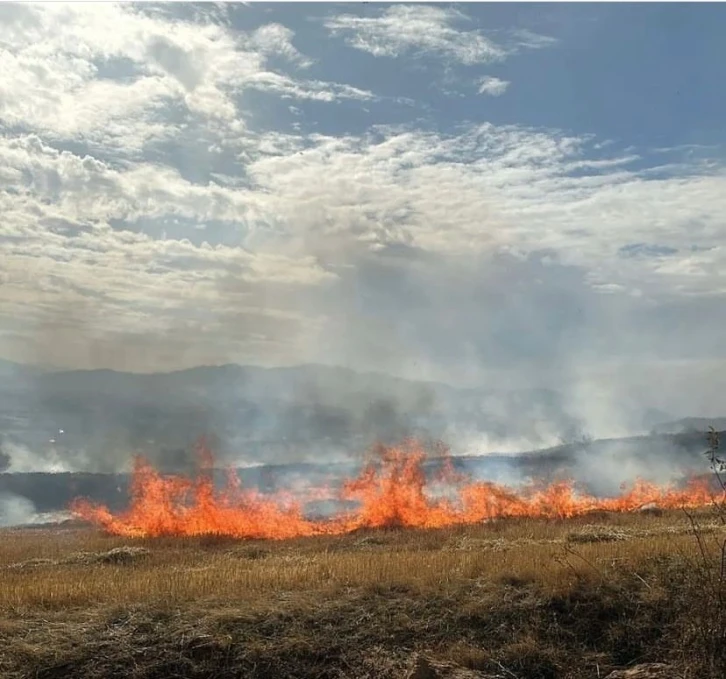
point(90, 420)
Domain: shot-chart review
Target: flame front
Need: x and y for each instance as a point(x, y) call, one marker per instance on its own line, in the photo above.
point(391, 490)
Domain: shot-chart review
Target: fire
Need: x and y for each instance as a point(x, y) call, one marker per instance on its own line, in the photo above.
point(391, 490)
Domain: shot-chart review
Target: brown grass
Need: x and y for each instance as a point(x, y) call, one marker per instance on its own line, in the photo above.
point(519, 598)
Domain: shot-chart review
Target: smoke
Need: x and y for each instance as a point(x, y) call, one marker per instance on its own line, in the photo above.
point(95, 421)
point(16, 510)
point(604, 466)
point(607, 472)
point(22, 459)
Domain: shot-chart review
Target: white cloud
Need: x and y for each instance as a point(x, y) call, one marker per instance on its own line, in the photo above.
point(276, 39)
point(418, 29)
point(494, 187)
point(527, 39)
point(493, 86)
point(120, 77)
point(305, 89)
point(428, 30)
point(484, 192)
point(62, 259)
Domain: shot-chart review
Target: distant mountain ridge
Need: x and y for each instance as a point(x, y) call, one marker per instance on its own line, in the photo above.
point(93, 420)
point(270, 414)
point(690, 424)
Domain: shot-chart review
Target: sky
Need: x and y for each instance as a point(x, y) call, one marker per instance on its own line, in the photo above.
point(508, 193)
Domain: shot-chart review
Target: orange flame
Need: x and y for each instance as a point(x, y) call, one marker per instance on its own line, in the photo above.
point(392, 490)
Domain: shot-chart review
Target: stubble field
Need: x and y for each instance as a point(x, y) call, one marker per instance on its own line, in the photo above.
point(516, 598)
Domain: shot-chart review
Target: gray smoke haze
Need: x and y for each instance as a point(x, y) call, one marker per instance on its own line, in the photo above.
point(94, 421)
point(15, 510)
point(605, 466)
point(18, 510)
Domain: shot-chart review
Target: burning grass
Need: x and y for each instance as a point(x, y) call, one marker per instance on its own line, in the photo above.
point(521, 594)
point(392, 490)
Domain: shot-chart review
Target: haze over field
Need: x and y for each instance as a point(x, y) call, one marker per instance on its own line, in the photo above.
point(521, 206)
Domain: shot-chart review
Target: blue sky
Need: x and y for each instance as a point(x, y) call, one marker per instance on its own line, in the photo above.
point(510, 193)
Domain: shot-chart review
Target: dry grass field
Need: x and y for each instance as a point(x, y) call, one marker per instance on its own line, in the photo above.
point(516, 598)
